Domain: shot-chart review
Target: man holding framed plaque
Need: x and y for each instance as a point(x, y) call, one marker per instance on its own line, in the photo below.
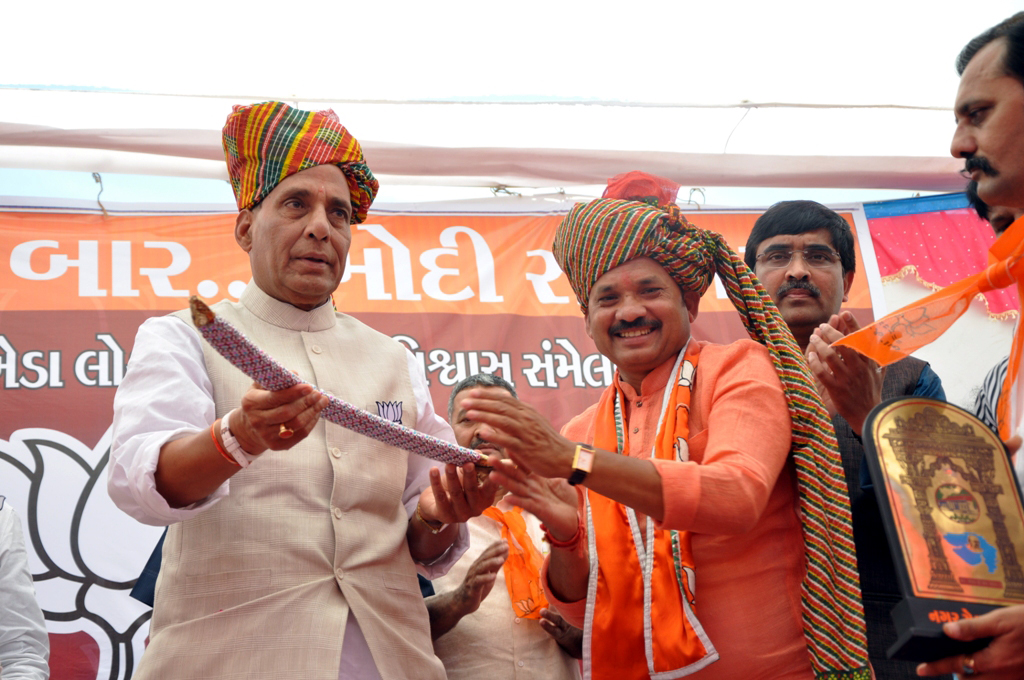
point(990, 137)
point(989, 112)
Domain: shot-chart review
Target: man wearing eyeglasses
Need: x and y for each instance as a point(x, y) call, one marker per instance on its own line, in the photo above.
point(804, 255)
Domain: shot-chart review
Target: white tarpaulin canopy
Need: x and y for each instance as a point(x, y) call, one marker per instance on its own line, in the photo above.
point(556, 154)
point(529, 94)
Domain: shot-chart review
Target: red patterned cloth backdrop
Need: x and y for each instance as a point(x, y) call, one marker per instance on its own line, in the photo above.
point(936, 241)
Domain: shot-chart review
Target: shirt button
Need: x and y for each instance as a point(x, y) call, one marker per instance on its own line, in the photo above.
point(337, 513)
point(336, 452)
point(635, 430)
point(316, 349)
point(340, 573)
point(520, 664)
point(517, 619)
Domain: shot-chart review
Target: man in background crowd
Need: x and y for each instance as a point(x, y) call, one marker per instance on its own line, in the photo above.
point(804, 254)
point(502, 634)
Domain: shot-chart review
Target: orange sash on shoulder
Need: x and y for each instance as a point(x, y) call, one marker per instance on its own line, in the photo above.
point(641, 615)
point(522, 568)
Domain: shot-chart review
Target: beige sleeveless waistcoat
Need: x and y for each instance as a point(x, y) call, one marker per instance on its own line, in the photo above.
point(261, 584)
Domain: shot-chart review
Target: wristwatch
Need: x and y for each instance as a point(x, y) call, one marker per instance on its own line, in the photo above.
point(582, 464)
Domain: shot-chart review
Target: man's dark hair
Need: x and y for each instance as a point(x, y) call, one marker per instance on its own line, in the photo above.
point(1012, 30)
point(799, 217)
point(980, 206)
point(478, 380)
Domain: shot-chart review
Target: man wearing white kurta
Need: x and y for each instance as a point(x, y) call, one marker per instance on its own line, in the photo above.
point(295, 542)
point(478, 633)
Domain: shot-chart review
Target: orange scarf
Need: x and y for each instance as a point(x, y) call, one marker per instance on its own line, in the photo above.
point(908, 329)
point(641, 618)
point(522, 568)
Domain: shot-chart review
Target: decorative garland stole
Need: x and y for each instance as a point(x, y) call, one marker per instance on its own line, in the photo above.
point(522, 568)
point(625, 571)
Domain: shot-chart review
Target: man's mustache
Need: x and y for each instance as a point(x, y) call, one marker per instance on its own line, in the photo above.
point(798, 283)
point(979, 163)
point(634, 325)
point(478, 443)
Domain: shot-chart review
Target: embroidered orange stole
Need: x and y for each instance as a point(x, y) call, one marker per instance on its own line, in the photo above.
point(522, 568)
point(642, 615)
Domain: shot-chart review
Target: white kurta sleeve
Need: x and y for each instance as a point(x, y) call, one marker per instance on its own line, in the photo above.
point(165, 395)
point(24, 643)
point(418, 478)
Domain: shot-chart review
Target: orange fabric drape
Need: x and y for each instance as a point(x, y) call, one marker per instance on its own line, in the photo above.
point(908, 329)
point(522, 568)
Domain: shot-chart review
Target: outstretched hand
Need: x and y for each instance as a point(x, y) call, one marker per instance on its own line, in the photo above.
point(457, 495)
point(553, 501)
point(850, 384)
point(526, 436)
point(1003, 659)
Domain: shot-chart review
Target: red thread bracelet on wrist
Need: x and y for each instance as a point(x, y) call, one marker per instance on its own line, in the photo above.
point(220, 449)
point(572, 543)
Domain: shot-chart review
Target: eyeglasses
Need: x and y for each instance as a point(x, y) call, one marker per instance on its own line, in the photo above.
point(819, 258)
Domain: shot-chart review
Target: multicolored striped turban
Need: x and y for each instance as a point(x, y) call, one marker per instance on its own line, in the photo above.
point(598, 236)
point(264, 143)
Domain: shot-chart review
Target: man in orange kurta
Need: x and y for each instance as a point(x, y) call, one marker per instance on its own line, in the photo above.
point(706, 541)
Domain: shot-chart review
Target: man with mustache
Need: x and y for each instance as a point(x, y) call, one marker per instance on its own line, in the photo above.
point(294, 543)
point(804, 254)
point(989, 110)
point(989, 136)
point(509, 633)
point(697, 543)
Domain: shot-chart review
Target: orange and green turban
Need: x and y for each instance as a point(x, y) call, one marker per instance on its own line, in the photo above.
point(264, 143)
point(598, 236)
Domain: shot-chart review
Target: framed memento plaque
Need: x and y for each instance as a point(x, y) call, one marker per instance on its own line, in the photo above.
point(953, 517)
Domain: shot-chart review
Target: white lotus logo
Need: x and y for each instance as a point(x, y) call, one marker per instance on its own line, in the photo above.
point(83, 552)
point(390, 410)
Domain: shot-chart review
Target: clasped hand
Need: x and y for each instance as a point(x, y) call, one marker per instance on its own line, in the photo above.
point(849, 383)
point(263, 416)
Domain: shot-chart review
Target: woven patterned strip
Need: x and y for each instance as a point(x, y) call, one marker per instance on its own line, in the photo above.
point(255, 363)
point(598, 236)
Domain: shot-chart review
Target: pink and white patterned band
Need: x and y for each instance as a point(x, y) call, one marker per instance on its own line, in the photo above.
point(255, 363)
